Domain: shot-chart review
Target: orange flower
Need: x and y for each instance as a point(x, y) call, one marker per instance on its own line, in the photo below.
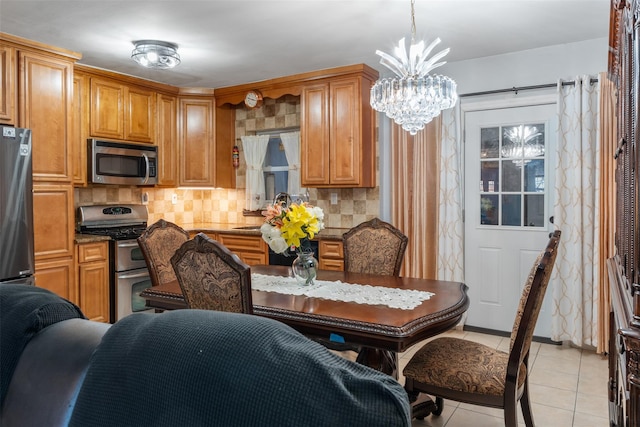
point(273, 214)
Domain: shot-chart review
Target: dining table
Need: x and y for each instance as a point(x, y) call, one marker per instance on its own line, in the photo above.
point(378, 328)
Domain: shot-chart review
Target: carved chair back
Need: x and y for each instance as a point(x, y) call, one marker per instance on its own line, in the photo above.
point(212, 277)
point(374, 247)
point(158, 244)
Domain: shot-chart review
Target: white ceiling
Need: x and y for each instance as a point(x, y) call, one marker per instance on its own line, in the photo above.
point(229, 42)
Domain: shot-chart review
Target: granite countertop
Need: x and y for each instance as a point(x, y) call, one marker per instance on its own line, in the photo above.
point(210, 227)
point(90, 238)
point(254, 230)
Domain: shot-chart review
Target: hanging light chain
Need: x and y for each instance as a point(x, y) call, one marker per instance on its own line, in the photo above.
point(413, 22)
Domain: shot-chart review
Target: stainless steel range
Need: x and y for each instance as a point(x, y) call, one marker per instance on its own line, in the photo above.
point(128, 274)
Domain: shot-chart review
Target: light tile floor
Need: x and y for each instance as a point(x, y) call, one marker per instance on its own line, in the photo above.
point(568, 388)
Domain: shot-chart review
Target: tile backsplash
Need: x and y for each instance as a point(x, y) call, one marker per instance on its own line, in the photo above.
point(354, 206)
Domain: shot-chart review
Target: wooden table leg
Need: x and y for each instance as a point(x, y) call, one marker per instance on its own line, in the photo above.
point(380, 360)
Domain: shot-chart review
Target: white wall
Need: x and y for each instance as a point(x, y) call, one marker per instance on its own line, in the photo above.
point(529, 67)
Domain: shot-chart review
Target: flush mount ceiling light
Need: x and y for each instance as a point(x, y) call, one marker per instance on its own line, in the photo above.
point(413, 98)
point(155, 54)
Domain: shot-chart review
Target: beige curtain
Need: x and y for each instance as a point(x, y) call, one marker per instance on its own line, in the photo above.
point(608, 145)
point(576, 297)
point(414, 206)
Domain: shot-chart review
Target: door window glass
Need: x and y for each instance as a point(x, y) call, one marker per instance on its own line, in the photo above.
point(512, 175)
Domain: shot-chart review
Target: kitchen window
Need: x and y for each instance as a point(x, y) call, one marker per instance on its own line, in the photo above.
point(273, 166)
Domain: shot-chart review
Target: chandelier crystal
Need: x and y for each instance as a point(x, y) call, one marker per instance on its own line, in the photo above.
point(522, 144)
point(413, 98)
point(155, 54)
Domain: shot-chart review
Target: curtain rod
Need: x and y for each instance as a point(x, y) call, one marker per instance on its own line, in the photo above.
point(517, 89)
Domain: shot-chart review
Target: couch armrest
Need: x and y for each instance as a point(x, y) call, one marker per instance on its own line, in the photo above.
point(49, 374)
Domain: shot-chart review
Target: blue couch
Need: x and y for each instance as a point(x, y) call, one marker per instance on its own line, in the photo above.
point(180, 368)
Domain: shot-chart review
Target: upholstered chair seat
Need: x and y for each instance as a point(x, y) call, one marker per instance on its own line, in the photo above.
point(462, 365)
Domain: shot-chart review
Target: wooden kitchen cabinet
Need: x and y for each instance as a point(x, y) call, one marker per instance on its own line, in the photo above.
point(167, 140)
point(331, 255)
point(45, 100)
point(252, 250)
point(39, 84)
point(53, 221)
point(79, 132)
point(8, 92)
point(123, 112)
point(93, 280)
point(57, 275)
point(196, 141)
point(337, 133)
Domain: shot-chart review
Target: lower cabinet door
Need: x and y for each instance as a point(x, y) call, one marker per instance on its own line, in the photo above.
point(57, 275)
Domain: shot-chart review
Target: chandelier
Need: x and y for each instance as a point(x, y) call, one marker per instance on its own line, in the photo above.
point(413, 98)
point(155, 54)
point(524, 144)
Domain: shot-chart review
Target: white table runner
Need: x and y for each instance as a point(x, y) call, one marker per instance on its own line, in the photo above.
point(405, 299)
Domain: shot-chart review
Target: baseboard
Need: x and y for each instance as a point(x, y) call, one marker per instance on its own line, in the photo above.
point(542, 340)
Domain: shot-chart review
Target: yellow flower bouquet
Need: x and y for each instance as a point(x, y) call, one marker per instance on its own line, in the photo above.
point(291, 227)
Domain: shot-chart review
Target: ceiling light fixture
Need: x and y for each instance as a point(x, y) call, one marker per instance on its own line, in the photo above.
point(155, 54)
point(413, 98)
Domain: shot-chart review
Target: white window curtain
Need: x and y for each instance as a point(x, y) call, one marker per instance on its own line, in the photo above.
point(255, 149)
point(576, 213)
point(450, 226)
point(291, 143)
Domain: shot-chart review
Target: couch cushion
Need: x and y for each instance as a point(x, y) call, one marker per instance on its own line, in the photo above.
point(24, 311)
point(197, 368)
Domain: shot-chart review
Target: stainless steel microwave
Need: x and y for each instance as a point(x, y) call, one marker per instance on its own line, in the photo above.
point(123, 163)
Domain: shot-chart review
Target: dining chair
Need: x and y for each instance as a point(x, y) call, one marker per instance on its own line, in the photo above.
point(212, 277)
point(158, 243)
point(374, 247)
point(470, 372)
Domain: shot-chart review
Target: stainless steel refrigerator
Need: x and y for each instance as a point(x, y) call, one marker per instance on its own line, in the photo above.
point(17, 263)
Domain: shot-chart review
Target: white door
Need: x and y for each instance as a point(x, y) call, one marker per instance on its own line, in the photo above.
point(508, 190)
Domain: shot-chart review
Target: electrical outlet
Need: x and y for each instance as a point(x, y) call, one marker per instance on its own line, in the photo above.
point(174, 199)
point(334, 198)
point(144, 198)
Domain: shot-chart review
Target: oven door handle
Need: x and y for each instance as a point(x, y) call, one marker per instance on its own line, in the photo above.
point(128, 245)
point(133, 276)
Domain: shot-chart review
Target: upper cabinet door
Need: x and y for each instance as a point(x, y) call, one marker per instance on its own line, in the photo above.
point(45, 107)
point(196, 142)
point(344, 140)
point(122, 112)
point(107, 109)
point(314, 143)
point(167, 140)
point(8, 99)
point(140, 118)
point(78, 132)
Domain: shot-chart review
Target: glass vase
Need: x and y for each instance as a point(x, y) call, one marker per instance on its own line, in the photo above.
point(305, 268)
